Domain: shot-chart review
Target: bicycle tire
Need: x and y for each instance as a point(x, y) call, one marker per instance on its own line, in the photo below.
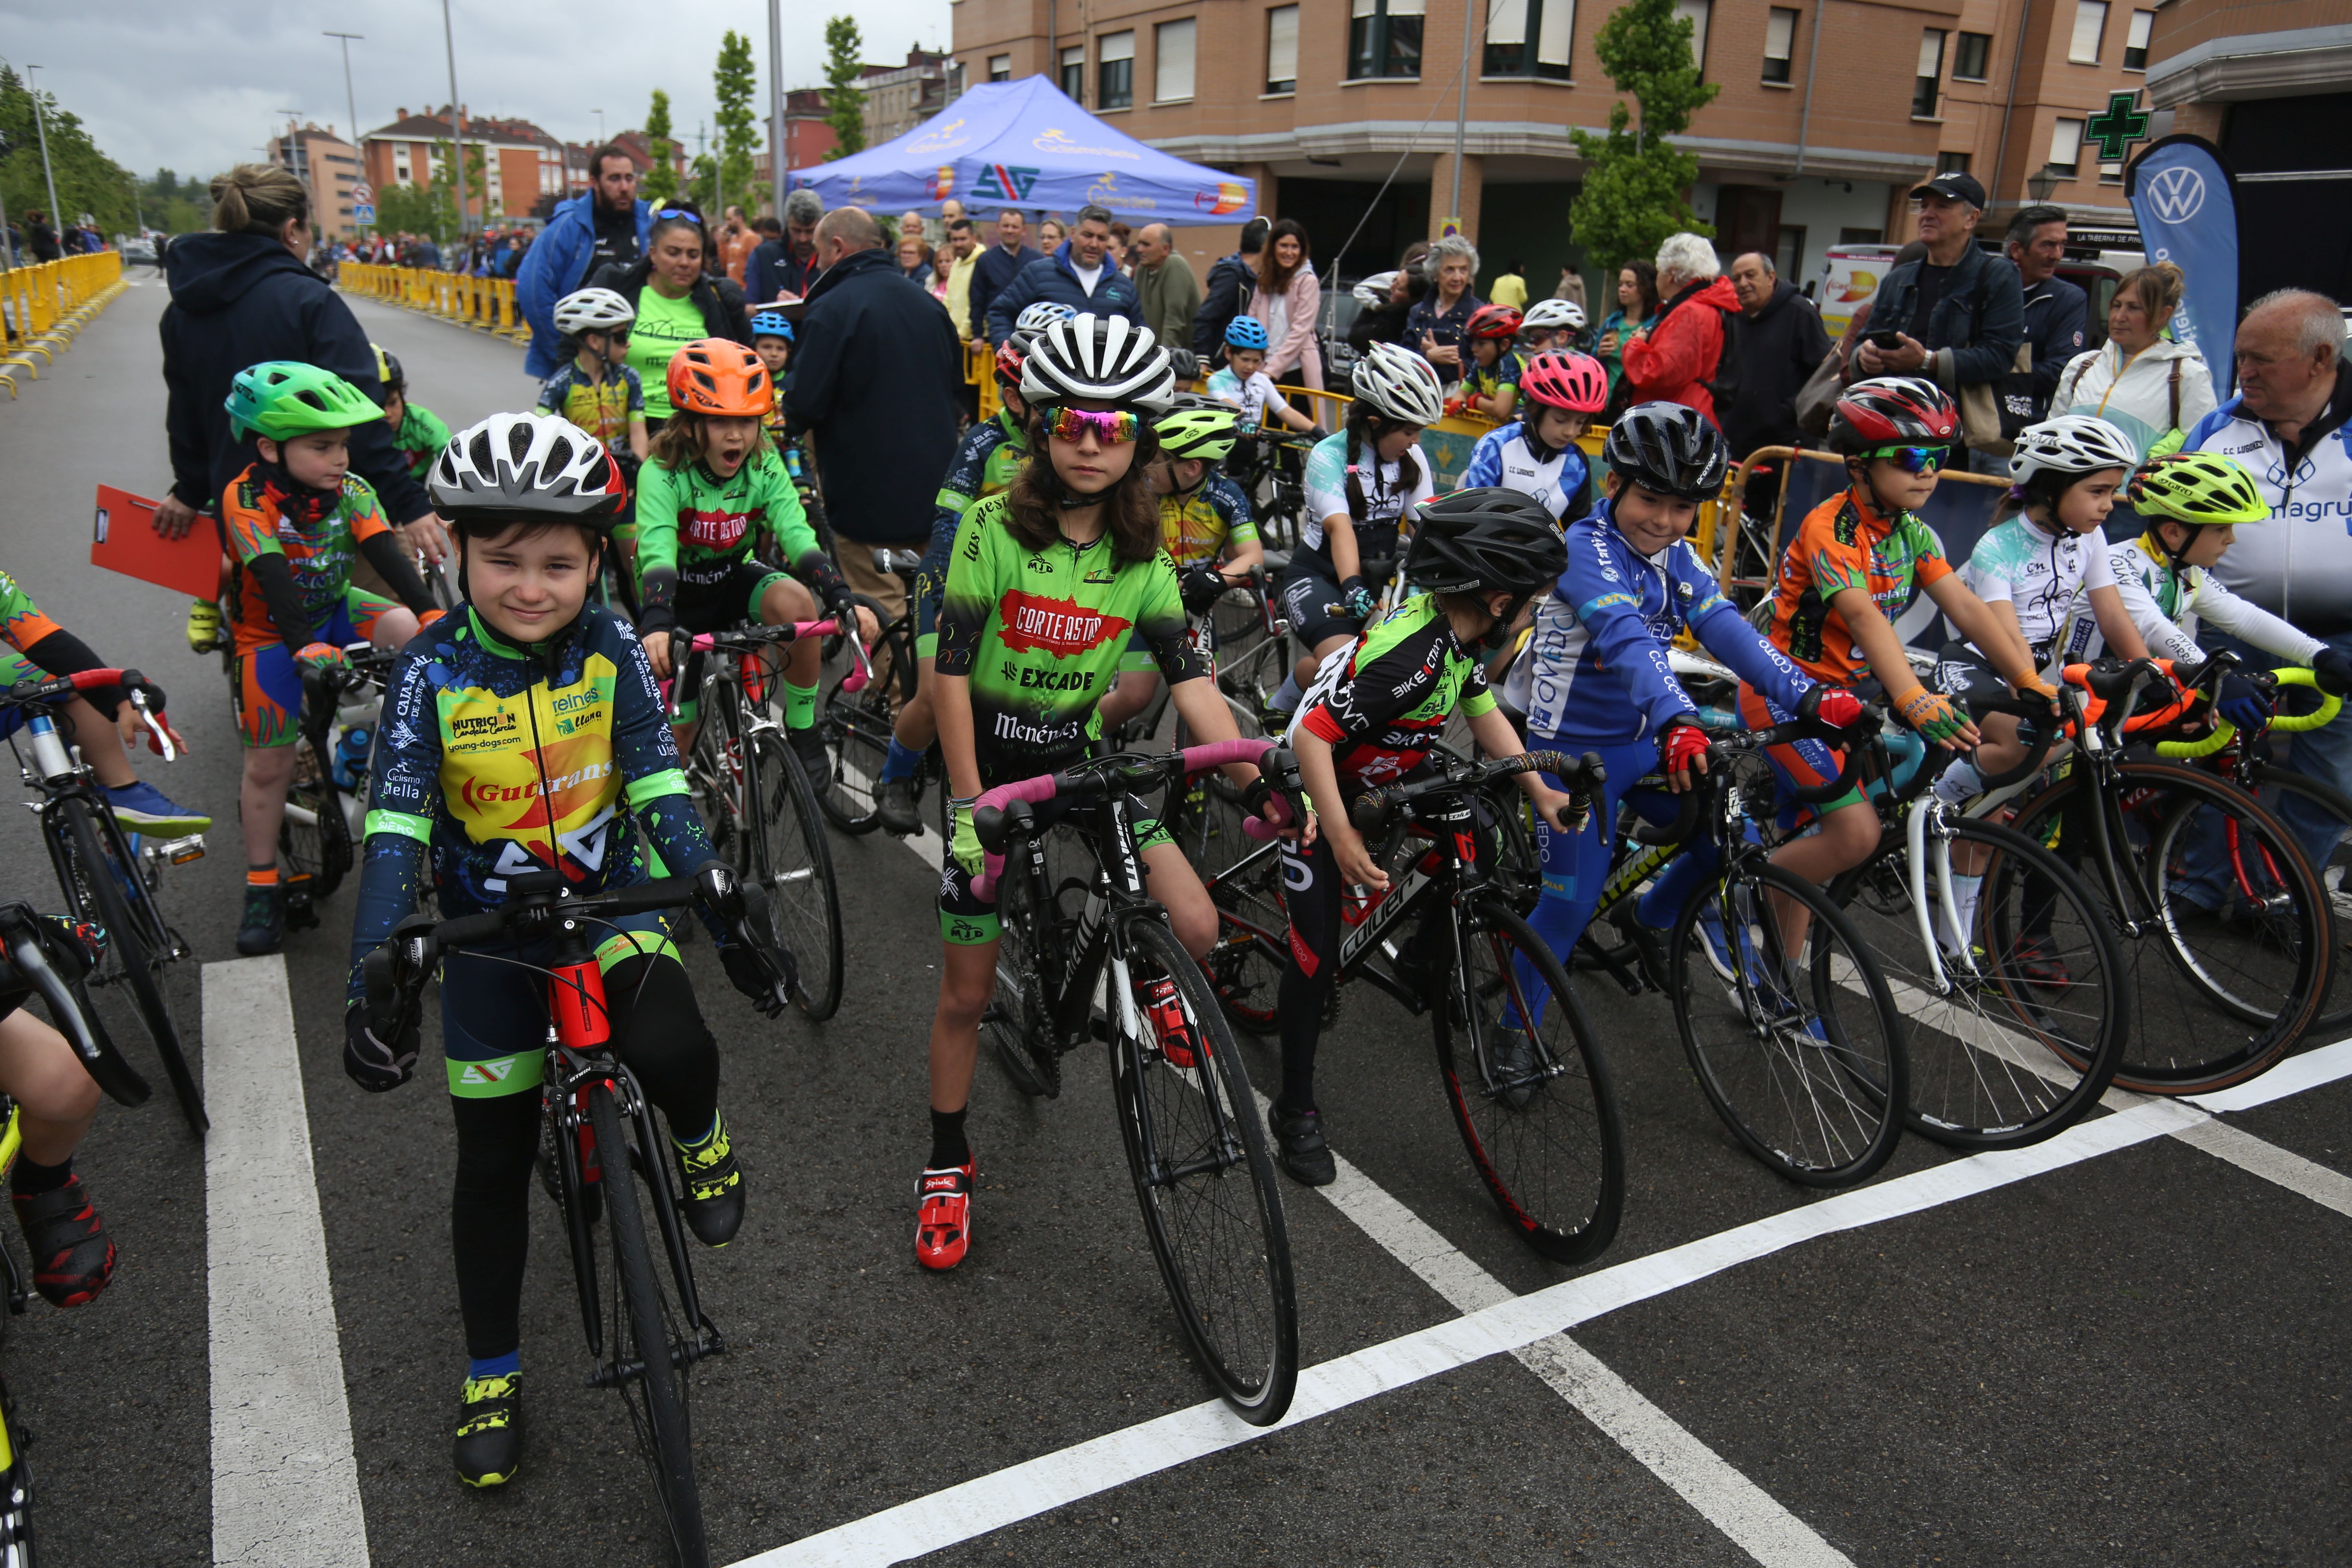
point(789, 853)
point(2199, 1024)
point(858, 726)
point(1834, 1056)
point(1999, 1058)
point(1252, 934)
point(314, 836)
point(640, 1325)
point(17, 1544)
point(1018, 1023)
point(2333, 803)
point(1544, 1138)
point(1188, 1135)
point(136, 941)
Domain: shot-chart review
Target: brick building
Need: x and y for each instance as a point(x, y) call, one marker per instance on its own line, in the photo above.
point(899, 98)
point(329, 166)
point(1317, 99)
point(807, 137)
point(522, 164)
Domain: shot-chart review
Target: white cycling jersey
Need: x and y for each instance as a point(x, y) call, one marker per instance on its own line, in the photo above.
point(2167, 603)
point(2045, 577)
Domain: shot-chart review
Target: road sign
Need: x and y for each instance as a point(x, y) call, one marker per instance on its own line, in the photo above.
point(361, 195)
point(363, 212)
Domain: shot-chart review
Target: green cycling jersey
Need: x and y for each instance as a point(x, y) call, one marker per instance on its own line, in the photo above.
point(695, 528)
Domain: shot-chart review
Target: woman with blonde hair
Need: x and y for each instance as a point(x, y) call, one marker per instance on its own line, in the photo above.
point(2140, 381)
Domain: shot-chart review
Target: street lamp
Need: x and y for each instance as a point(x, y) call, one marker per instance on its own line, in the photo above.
point(776, 107)
point(41, 124)
point(349, 102)
point(2041, 183)
point(456, 117)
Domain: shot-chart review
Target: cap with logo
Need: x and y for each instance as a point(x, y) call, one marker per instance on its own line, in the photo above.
point(1953, 186)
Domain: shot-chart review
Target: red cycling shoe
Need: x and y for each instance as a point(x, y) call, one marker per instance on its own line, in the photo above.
point(72, 1257)
point(943, 1222)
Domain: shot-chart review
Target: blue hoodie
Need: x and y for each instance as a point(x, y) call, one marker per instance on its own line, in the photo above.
point(555, 265)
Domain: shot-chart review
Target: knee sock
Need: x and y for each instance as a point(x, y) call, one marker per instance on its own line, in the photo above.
point(948, 1148)
point(28, 1180)
point(1288, 697)
point(505, 1365)
point(1960, 783)
point(901, 762)
point(1964, 906)
point(800, 705)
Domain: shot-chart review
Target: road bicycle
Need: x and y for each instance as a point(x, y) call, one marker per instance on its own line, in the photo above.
point(861, 708)
point(1270, 466)
point(326, 814)
point(1195, 1143)
point(1528, 1088)
point(612, 1162)
point(756, 799)
point(111, 879)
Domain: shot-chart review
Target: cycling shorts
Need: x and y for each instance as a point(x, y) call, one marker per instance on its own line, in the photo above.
point(966, 920)
point(267, 682)
point(931, 590)
point(728, 600)
point(1305, 597)
point(494, 1013)
point(1806, 764)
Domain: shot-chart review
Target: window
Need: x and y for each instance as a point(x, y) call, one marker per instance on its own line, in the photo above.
point(1931, 72)
point(1699, 12)
point(1384, 37)
point(1073, 73)
point(1971, 56)
point(1952, 163)
point(1861, 236)
point(2090, 31)
point(2136, 41)
point(1281, 49)
point(1115, 70)
point(1000, 67)
point(2066, 146)
point(1172, 61)
point(1511, 52)
point(1780, 43)
point(400, 162)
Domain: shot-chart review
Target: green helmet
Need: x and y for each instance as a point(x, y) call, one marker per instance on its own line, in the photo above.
point(1207, 433)
point(2199, 489)
point(282, 398)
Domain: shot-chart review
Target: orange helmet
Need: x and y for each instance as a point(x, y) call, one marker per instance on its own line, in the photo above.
point(712, 375)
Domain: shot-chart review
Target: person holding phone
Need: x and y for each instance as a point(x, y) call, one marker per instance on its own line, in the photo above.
point(1956, 315)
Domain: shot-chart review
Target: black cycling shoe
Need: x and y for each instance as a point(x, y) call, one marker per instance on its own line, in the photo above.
point(263, 929)
point(714, 1187)
point(1512, 1060)
point(72, 1257)
point(1649, 945)
point(899, 802)
point(1298, 1145)
point(816, 762)
point(489, 1450)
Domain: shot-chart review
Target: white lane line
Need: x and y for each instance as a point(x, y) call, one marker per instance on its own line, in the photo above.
point(2293, 1076)
point(2273, 1163)
point(286, 1488)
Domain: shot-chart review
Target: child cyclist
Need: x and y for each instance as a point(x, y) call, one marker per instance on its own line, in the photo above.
point(57, 1100)
point(530, 694)
point(595, 387)
point(987, 460)
point(1205, 525)
point(1243, 384)
point(1047, 581)
point(1375, 709)
point(714, 485)
point(1536, 455)
point(1359, 484)
point(1551, 325)
point(294, 518)
point(417, 430)
point(1490, 381)
point(771, 340)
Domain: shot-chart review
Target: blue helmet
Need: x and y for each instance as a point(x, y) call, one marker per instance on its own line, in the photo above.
point(1247, 332)
point(770, 324)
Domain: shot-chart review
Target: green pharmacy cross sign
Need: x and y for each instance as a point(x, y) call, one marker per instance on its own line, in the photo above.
point(2118, 128)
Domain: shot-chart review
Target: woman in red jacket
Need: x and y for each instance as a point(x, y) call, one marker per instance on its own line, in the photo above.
point(1674, 356)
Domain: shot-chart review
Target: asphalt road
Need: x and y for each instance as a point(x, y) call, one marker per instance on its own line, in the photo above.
point(2136, 1356)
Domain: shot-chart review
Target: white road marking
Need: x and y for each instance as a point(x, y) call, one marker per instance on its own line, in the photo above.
point(285, 1486)
point(2273, 1163)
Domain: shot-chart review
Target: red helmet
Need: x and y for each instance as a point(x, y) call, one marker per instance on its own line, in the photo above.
point(1491, 321)
point(715, 376)
point(1009, 355)
point(1893, 411)
point(1565, 378)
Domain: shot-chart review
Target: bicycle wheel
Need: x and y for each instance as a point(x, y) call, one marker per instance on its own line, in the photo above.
point(2226, 939)
point(16, 1489)
point(643, 1338)
point(1535, 1106)
point(786, 851)
point(1253, 936)
point(2317, 802)
point(107, 885)
point(1196, 1150)
point(314, 837)
point(1802, 1054)
point(1018, 1024)
point(2017, 1042)
point(857, 729)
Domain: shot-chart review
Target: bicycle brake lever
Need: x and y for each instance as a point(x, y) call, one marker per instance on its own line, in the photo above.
point(159, 738)
point(24, 953)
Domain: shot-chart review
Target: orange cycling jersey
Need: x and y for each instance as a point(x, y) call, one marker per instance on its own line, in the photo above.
point(1846, 542)
point(317, 532)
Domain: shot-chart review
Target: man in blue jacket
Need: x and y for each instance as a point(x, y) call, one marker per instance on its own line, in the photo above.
point(2056, 312)
point(1079, 274)
point(607, 224)
point(1958, 311)
point(999, 265)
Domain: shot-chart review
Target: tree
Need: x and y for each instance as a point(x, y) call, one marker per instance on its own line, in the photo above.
point(88, 180)
point(737, 84)
point(407, 208)
point(1634, 179)
point(844, 100)
point(478, 178)
point(173, 205)
point(660, 183)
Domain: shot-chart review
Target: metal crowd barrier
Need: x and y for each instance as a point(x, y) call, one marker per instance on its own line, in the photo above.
point(46, 305)
point(484, 304)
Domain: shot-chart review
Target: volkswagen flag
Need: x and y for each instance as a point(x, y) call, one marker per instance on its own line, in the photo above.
point(2187, 204)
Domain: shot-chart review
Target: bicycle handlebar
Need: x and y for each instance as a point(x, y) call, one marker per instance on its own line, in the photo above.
point(136, 687)
point(1692, 802)
point(1375, 810)
point(2291, 724)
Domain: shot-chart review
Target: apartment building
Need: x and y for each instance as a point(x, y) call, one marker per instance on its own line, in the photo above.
point(524, 169)
point(899, 98)
point(329, 166)
point(808, 137)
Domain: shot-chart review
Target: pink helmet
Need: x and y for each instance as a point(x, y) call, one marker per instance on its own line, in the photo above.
point(1566, 379)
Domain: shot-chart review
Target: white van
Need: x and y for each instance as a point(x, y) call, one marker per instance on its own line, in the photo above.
point(1849, 276)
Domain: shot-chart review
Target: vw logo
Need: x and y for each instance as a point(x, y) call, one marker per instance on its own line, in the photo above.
point(2179, 192)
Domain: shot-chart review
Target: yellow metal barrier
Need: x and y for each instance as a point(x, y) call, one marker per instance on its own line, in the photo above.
point(484, 304)
point(48, 303)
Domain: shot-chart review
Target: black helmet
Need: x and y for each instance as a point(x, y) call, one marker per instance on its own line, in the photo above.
point(515, 466)
point(1668, 449)
point(1474, 542)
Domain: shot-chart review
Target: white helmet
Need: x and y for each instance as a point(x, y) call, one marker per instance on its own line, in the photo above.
point(1373, 291)
point(2071, 444)
point(1400, 384)
point(592, 311)
point(527, 465)
point(1552, 315)
point(1106, 358)
point(1037, 318)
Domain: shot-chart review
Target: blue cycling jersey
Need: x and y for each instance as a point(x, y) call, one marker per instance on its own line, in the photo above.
point(1507, 457)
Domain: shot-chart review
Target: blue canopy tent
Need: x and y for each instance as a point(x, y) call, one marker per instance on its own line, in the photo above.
point(1024, 144)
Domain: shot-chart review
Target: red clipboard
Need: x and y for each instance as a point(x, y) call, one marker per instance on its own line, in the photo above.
point(123, 538)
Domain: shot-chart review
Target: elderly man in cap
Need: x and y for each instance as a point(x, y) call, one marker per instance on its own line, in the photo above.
point(1958, 311)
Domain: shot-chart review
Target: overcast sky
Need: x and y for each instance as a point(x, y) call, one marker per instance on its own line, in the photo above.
point(196, 87)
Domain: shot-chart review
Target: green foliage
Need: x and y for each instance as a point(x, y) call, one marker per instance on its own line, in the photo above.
point(736, 83)
point(417, 209)
point(88, 180)
point(171, 204)
point(477, 179)
point(1635, 179)
point(660, 181)
point(844, 100)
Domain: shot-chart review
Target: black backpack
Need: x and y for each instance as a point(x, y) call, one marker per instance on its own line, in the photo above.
point(1724, 386)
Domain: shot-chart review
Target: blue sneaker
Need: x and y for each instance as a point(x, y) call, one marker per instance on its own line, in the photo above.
point(141, 807)
point(1715, 945)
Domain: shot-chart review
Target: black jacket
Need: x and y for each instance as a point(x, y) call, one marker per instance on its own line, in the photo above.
point(237, 300)
point(1381, 323)
point(1224, 296)
point(720, 298)
point(875, 376)
point(2056, 316)
point(990, 274)
point(773, 269)
point(1973, 332)
point(1779, 346)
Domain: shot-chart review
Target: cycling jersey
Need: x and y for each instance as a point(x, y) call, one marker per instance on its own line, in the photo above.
point(1200, 526)
point(1486, 380)
point(314, 534)
point(1845, 543)
point(420, 438)
point(987, 460)
point(1040, 635)
point(2166, 602)
point(1253, 396)
point(1387, 494)
point(2042, 577)
point(602, 408)
point(695, 529)
point(1383, 700)
point(1596, 673)
point(37, 648)
point(1507, 457)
